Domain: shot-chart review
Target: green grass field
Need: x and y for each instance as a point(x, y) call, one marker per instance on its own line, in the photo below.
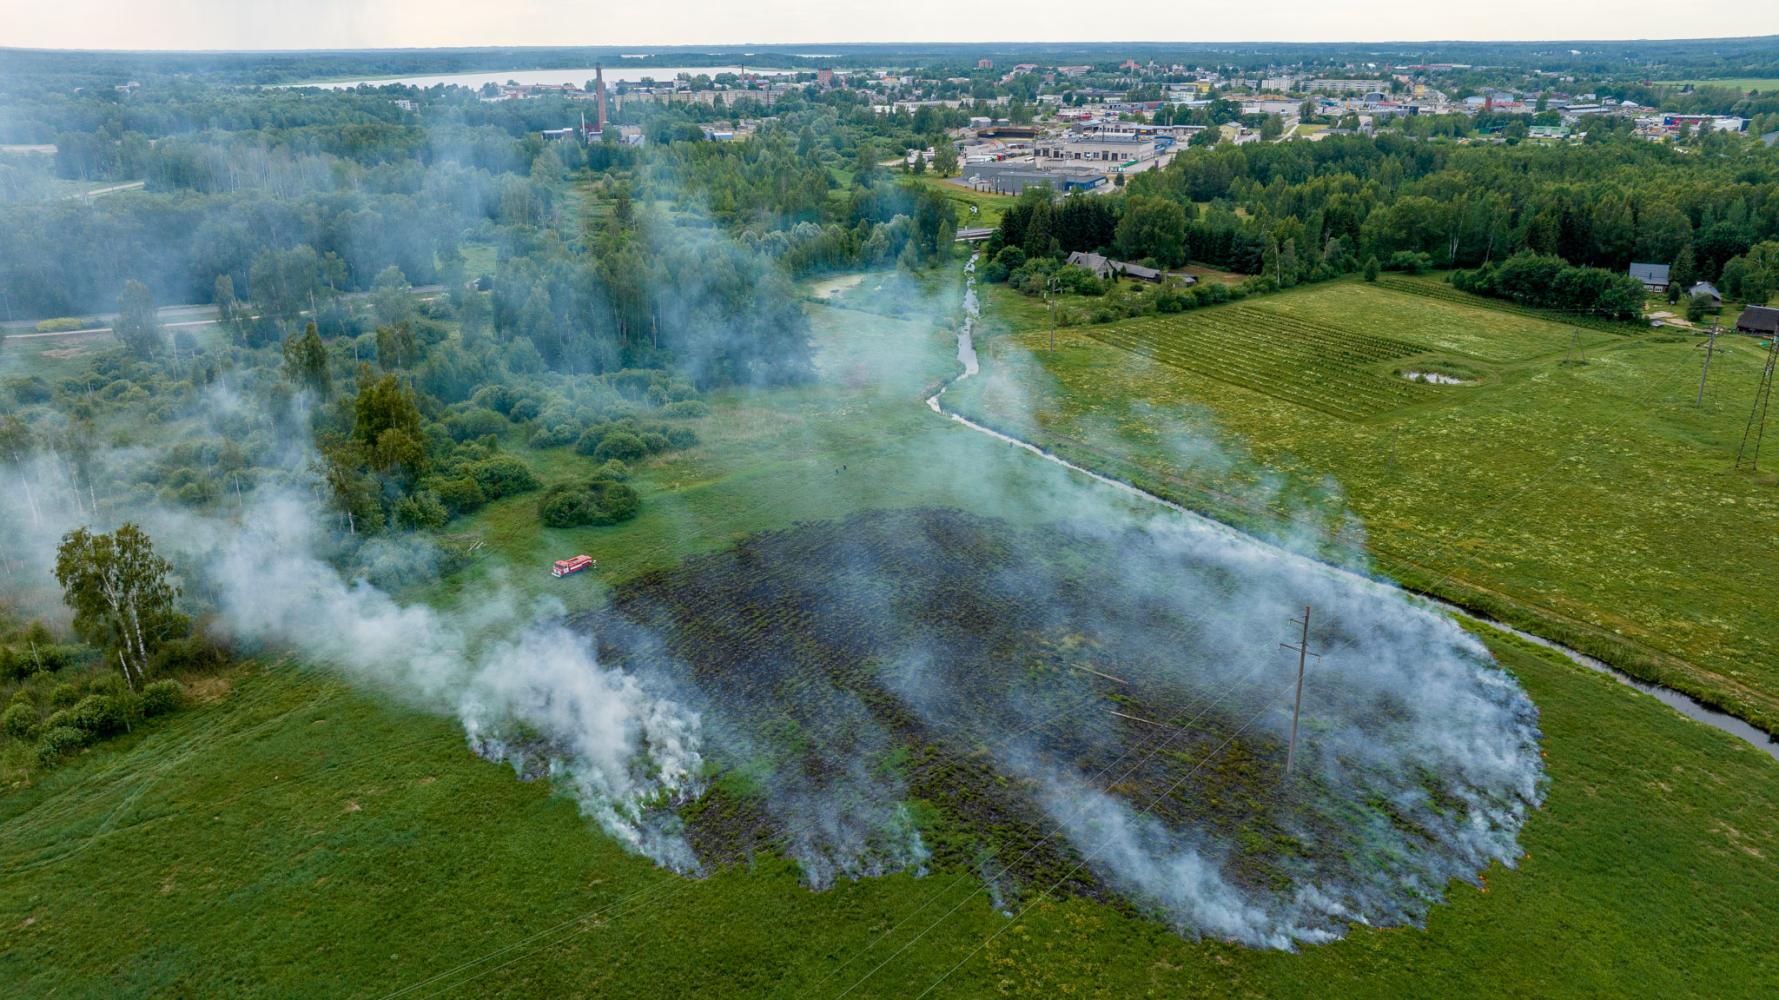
point(1592, 502)
point(989, 207)
point(295, 836)
point(300, 838)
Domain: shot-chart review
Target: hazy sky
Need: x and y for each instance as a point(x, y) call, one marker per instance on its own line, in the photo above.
point(293, 24)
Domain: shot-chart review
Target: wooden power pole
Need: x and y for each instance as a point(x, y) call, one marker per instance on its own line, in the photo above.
point(1710, 347)
point(1303, 654)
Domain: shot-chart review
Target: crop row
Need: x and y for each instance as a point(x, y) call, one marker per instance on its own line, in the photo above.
point(1322, 368)
point(1312, 366)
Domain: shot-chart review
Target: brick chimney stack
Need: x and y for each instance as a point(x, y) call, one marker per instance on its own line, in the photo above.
point(599, 86)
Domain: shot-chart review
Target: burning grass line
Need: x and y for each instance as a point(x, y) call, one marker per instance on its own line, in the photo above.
point(1148, 809)
point(1157, 748)
point(1096, 673)
point(683, 884)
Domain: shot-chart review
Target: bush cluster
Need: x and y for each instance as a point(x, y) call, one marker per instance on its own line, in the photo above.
point(598, 500)
point(1552, 283)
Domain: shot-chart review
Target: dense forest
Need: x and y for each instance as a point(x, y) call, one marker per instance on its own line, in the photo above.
point(1294, 212)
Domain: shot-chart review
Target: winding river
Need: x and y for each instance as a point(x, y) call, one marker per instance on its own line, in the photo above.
point(967, 359)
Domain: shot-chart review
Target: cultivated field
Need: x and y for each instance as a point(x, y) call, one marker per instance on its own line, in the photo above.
point(1315, 364)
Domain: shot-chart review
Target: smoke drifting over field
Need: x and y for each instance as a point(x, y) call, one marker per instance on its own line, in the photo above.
point(527, 691)
point(1090, 695)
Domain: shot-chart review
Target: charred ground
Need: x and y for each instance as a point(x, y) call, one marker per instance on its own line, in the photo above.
point(925, 667)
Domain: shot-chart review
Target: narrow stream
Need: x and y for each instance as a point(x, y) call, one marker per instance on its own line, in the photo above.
point(966, 356)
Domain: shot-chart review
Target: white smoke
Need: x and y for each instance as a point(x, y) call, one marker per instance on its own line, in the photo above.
point(527, 690)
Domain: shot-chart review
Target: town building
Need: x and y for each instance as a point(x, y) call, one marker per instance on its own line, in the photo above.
point(1099, 146)
point(1013, 178)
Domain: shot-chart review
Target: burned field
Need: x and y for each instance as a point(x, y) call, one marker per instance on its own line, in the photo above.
point(1081, 710)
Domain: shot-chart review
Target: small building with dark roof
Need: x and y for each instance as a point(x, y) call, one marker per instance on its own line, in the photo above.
point(1762, 320)
point(1708, 290)
point(1653, 276)
point(1106, 268)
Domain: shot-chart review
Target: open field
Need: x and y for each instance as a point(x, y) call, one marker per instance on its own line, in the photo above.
point(988, 206)
point(394, 859)
point(1591, 502)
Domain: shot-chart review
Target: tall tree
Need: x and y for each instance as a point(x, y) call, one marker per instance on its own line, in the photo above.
point(392, 298)
point(944, 159)
point(138, 323)
point(121, 594)
point(305, 362)
point(1153, 227)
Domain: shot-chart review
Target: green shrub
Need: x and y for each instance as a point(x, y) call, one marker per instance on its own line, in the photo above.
point(423, 510)
point(187, 653)
point(460, 494)
point(495, 397)
point(18, 720)
point(501, 476)
point(28, 389)
point(99, 715)
point(655, 443)
point(554, 436)
point(64, 694)
point(621, 445)
point(590, 439)
point(161, 697)
point(593, 502)
point(58, 742)
point(686, 409)
point(475, 423)
point(681, 437)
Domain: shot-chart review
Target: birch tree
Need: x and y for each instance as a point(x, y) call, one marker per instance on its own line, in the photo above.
point(121, 594)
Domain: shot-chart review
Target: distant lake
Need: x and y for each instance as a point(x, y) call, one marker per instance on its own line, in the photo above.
point(578, 77)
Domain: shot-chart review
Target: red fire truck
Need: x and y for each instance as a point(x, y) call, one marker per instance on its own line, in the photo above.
point(564, 567)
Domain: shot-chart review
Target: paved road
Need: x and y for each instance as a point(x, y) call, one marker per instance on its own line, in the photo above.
point(96, 192)
point(171, 317)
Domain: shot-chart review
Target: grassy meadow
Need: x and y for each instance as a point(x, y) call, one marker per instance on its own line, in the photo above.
point(297, 837)
point(1570, 485)
point(293, 835)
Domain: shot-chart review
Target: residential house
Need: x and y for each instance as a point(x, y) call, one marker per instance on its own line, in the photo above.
point(1653, 276)
point(1761, 320)
point(1708, 290)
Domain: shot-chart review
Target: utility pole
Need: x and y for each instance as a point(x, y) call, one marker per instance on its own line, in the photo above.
point(1303, 654)
point(1710, 346)
point(1757, 417)
point(1050, 289)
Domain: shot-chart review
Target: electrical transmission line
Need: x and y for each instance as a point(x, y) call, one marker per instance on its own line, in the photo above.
point(1757, 416)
